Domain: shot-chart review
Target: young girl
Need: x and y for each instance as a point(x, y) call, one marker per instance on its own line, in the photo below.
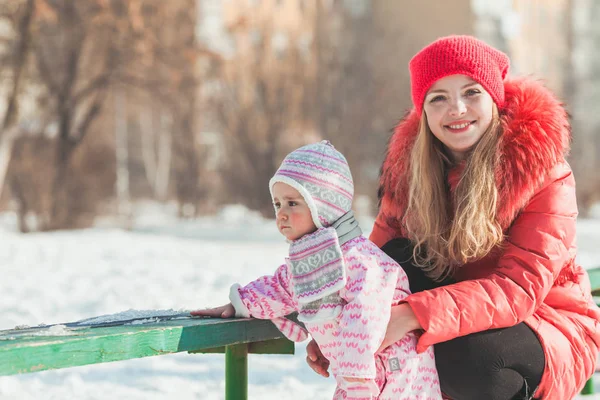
point(341, 284)
point(477, 203)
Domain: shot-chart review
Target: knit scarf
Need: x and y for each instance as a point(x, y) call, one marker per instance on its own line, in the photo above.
point(318, 270)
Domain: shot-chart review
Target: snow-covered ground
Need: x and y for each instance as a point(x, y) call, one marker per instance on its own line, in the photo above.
point(162, 264)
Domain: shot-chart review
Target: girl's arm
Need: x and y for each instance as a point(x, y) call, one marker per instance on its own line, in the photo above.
point(226, 311)
point(267, 297)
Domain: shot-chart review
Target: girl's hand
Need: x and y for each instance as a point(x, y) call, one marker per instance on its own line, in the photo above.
point(226, 311)
point(316, 360)
point(402, 321)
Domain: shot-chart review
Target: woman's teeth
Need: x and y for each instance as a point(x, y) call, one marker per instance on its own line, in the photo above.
point(461, 126)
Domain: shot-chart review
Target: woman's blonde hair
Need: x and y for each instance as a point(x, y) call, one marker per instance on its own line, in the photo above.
point(452, 227)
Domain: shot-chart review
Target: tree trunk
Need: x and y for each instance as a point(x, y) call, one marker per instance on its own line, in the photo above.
point(7, 141)
point(9, 129)
point(163, 170)
point(122, 157)
point(59, 212)
point(22, 204)
point(146, 121)
point(157, 156)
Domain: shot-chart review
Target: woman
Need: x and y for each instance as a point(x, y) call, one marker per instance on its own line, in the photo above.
point(477, 204)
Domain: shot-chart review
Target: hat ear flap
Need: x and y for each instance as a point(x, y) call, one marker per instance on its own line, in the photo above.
point(503, 64)
point(504, 71)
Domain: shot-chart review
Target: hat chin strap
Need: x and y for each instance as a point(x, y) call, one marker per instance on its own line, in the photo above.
point(347, 227)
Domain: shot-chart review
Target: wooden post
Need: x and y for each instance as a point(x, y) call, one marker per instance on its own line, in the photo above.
point(236, 372)
point(589, 386)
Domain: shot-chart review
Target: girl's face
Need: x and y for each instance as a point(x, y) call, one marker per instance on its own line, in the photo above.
point(293, 215)
point(459, 111)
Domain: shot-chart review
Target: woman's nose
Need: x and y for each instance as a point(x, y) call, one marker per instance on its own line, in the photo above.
point(457, 108)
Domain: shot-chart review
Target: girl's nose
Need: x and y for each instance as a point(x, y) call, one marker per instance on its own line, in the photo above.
point(281, 214)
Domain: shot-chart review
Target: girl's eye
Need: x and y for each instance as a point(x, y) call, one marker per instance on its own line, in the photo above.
point(472, 92)
point(292, 203)
point(277, 204)
point(435, 99)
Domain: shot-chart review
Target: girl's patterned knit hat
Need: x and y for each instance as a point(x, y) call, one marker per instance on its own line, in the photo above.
point(463, 55)
point(322, 176)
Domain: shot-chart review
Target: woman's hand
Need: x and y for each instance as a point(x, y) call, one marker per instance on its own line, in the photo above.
point(316, 360)
point(402, 321)
point(226, 311)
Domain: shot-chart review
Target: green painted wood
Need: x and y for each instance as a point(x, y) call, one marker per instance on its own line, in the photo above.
point(276, 346)
point(589, 386)
point(27, 351)
point(236, 372)
point(594, 274)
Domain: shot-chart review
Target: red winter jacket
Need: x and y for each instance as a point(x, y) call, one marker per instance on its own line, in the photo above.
point(533, 277)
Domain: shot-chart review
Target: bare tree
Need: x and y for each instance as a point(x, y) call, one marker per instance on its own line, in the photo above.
point(20, 18)
point(348, 95)
point(186, 163)
point(166, 80)
point(65, 31)
point(79, 52)
point(157, 150)
point(258, 101)
point(122, 159)
point(583, 98)
point(127, 57)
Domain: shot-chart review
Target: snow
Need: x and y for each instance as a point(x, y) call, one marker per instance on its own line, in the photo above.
point(54, 330)
point(162, 267)
point(140, 316)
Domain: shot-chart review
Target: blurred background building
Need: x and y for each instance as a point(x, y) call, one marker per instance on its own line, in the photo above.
point(105, 104)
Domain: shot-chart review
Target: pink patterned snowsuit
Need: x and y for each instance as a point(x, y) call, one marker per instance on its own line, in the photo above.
point(349, 340)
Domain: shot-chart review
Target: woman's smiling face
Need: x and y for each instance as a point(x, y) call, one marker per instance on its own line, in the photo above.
point(459, 111)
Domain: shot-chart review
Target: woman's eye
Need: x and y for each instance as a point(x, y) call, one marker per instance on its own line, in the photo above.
point(436, 99)
point(472, 92)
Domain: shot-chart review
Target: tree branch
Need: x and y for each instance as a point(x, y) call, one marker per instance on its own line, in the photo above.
point(44, 70)
point(23, 46)
point(98, 82)
point(89, 117)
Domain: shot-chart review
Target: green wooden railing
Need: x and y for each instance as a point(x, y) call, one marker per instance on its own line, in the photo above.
point(23, 351)
point(594, 275)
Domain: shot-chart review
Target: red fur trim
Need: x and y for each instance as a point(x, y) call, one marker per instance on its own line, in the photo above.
point(536, 137)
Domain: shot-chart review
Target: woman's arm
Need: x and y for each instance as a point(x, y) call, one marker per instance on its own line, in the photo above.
point(382, 232)
point(316, 360)
point(402, 321)
point(370, 290)
point(540, 243)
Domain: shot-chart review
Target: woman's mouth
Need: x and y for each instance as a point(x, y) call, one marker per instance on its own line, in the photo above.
point(459, 126)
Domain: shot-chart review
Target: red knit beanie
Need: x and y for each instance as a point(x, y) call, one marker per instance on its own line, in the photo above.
point(463, 55)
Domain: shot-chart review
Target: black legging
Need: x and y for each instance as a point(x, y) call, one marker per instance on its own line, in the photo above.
point(498, 364)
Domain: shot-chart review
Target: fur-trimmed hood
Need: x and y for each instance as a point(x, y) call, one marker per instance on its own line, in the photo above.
point(536, 136)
